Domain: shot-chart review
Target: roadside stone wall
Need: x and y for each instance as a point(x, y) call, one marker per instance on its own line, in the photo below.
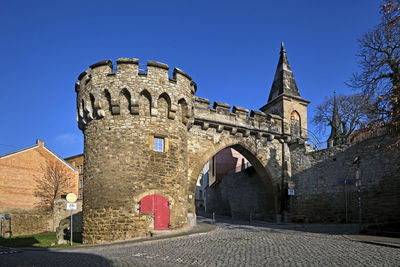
point(321, 196)
point(26, 221)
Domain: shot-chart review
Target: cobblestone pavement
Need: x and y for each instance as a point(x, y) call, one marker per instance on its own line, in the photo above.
point(228, 245)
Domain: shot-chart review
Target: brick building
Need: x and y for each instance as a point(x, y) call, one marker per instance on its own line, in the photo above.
point(18, 171)
point(77, 162)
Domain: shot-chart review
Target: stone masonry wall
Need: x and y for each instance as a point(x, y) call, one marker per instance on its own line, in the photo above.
point(26, 221)
point(239, 195)
point(320, 195)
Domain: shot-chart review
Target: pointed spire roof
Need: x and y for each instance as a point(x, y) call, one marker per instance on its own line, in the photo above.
point(284, 82)
point(333, 137)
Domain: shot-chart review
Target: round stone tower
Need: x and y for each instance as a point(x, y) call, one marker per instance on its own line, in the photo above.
point(134, 123)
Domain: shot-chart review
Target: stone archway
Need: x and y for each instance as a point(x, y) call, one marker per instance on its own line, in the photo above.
point(249, 151)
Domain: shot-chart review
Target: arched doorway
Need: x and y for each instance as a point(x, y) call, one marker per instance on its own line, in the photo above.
point(159, 206)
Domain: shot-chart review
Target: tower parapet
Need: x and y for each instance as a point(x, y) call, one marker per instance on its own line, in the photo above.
point(101, 91)
point(237, 120)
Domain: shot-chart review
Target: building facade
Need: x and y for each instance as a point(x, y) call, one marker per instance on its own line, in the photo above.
point(20, 170)
point(77, 162)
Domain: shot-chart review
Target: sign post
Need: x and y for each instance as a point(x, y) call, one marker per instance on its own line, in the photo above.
point(291, 186)
point(346, 181)
point(71, 205)
point(358, 184)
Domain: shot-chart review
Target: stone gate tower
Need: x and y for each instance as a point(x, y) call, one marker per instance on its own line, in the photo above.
point(147, 138)
point(123, 115)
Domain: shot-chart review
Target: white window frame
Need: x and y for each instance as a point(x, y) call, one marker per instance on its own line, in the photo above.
point(159, 144)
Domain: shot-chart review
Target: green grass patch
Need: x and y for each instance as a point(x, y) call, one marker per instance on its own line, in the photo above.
point(44, 240)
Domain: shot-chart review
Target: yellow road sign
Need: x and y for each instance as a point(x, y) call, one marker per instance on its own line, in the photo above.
point(71, 197)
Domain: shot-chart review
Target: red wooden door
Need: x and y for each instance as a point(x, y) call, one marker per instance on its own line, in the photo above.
point(147, 204)
point(159, 206)
point(161, 213)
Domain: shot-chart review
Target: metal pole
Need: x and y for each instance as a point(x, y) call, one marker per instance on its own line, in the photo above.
point(359, 209)
point(345, 199)
point(71, 228)
point(213, 218)
point(359, 196)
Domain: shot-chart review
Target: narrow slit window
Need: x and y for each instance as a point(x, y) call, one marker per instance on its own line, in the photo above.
point(158, 144)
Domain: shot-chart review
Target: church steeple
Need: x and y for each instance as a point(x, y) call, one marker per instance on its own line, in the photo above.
point(333, 139)
point(285, 100)
point(284, 82)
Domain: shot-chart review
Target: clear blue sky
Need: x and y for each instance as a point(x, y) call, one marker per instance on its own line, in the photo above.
point(230, 48)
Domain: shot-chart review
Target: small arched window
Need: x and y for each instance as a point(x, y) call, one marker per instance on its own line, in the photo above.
point(295, 128)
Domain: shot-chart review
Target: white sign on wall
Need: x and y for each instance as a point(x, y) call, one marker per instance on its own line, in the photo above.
point(72, 206)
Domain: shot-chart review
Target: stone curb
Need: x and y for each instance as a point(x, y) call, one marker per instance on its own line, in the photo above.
point(200, 228)
point(385, 244)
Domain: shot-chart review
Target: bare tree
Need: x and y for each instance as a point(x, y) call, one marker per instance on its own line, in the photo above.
point(54, 181)
point(379, 62)
point(353, 112)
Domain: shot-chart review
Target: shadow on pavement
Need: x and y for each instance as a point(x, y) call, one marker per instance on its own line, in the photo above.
point(43, 257)
point(332, 229)
point(18, 241)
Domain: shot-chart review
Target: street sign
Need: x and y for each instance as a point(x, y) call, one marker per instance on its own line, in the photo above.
point(72, 206)
point(291, 192)
point(71, 197)
point(291, 185)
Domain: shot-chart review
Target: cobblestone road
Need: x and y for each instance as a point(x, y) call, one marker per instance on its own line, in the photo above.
point(229, 245)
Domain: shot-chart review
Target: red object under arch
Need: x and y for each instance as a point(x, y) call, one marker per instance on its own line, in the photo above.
point(159, 206)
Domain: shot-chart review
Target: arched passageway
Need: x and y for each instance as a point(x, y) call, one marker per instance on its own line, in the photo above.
point(234, 183)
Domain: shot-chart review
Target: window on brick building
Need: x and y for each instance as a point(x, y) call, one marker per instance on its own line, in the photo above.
point(80, 196)
point(80, 184)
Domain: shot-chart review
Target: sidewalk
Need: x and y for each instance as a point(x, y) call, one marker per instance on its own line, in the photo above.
point(201, 227)
point(376, 240)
